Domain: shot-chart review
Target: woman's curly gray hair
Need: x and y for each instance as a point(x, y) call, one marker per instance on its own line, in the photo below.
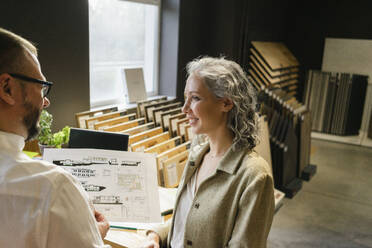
point(225, 78)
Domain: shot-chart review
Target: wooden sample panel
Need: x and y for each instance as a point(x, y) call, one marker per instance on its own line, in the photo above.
point(111, 122)
point(173, 169)
point(271, 73)
point(272, 80)
point(158, 111)
point(263, 147)
point(275, 54)
point(141, 105)
point(173, 123)
point(164, 146)
point(189, 135)
point(149, 142)
point(144, 135)
point(166, 115)
point(149, 109)
point(139, 128)
point(132, 110)
point(167, 154)
point(256, 81)
point(89, 122)
point(82, 116)
point(181, 123)
point(259, 74)
point(126, 125)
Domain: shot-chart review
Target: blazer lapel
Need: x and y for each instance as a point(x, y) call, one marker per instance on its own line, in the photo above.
point(193, 163)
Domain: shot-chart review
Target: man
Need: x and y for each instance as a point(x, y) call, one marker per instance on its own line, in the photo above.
point(41, 205)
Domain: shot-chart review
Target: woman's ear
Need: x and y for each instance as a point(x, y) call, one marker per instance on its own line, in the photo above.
point(7, 89)
point(227, 104)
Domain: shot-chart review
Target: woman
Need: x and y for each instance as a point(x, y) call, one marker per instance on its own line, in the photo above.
point(225, 197)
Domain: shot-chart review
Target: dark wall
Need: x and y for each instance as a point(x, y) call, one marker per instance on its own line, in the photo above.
point(191, 38)
point(60, 31)
point(334, 19)
point(219, 27)
point(227, 28)
point(262, 20)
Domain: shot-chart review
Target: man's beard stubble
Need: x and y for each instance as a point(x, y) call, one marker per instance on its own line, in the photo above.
point(30, 120)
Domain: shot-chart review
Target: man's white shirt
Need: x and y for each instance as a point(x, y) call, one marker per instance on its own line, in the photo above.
point(41, 205)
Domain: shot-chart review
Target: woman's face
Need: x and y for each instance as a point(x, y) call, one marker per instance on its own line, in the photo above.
point(206, 113)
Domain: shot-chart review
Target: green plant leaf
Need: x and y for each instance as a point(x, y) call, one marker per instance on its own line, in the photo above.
point(45, 123)
point(46, 137)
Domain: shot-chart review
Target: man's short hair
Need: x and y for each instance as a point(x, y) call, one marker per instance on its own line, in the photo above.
point(12, 47)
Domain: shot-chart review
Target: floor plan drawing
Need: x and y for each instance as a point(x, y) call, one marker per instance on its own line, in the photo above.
point(121, 185)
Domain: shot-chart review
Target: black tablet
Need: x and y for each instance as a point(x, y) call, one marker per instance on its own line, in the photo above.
point(86, 138)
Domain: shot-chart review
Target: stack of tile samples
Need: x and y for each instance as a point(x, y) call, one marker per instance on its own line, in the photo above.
point(272, 65)
point(274, 72)
point(336, 101)
point(289, 129)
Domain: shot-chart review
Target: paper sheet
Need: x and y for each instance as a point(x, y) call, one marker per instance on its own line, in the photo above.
point(121, 185)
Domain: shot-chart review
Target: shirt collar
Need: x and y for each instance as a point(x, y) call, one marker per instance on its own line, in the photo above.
point(11, 141)
point(229, 163)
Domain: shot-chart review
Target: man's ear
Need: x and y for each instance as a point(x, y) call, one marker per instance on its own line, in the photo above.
point(7, 89)
point(227, 104)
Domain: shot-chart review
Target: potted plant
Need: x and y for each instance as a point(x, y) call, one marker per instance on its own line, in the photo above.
point(45, 123)
point(46, 138)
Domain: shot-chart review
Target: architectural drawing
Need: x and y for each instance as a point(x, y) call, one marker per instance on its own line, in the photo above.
point(83, 162)
point(130, 163)
point(113, 161)
point(81, 172)
point(106, 173)
point(130, 182)
point(106, 199)
point(92, 187)
point(121, 185)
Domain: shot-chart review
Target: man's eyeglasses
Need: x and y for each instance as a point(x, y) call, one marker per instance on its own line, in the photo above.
point(46, 85)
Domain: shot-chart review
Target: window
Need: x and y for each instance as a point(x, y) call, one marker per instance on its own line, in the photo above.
point(122, 34)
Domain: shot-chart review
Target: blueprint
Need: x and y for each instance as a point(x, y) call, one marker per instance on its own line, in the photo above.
point(121, 185)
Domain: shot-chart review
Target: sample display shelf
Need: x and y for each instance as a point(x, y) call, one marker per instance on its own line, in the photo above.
point(362, 139)
point(350, 56)
point(274, 72)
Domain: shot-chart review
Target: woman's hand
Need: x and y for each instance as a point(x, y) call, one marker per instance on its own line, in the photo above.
point(153, 240)
point(103, 224)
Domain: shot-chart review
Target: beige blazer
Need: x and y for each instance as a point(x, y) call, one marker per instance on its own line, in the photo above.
point(232, 208)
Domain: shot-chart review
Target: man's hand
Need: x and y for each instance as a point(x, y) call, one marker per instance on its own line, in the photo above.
point(103, 224)
point(153, 240)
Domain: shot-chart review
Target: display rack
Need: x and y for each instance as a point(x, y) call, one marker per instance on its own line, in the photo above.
point(274, 72)
point(351, 56)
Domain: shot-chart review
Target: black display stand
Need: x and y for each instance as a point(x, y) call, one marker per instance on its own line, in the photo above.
point(308, 172)
point(291, 189)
